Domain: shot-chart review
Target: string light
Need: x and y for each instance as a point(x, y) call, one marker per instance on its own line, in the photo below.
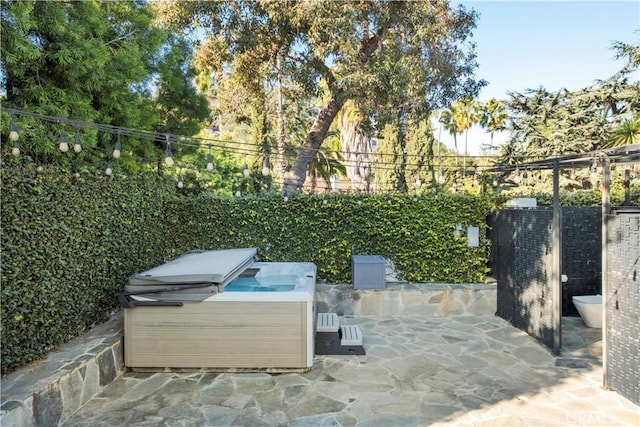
point(209, 159)
point(168, 160)
point(76, 146)
point(118, 147)
point(13, 136)
point(286, 196)
point(265, 167)
point(516, 178)
point(245, 170)
point(180, 182)
point(64, 145)
point(108, 171)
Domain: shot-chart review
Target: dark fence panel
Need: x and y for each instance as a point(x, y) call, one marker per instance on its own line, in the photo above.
point(623, 305)
point(521, 259)
point(581, 254)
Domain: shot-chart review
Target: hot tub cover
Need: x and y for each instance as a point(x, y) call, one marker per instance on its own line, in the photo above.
point(193, 276)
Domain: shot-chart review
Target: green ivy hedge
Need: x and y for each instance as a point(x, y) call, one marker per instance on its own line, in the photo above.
point(68, 245)
point(416, 233)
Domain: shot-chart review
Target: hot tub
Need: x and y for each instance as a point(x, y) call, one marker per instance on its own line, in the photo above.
point(257, 318)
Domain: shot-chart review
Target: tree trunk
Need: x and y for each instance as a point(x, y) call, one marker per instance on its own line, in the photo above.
point(312, 142)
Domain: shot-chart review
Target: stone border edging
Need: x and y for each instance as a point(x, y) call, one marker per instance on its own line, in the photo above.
point(49, 391)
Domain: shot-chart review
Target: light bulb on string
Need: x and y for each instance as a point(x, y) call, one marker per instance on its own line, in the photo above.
point(168, 159)
point(180, 181)
point(516, 178)
point(64, 144)
point(238, 193)
point(13, 132)
point(108, 171)
point(474, 183)
point(209, 159)
point(573, 174)
point(117, 148)
point(286, 197)
point(246, 171)
point(265, 167)
point(494, 182)
point(15, 150)
point(441, 176)
point(76, 145)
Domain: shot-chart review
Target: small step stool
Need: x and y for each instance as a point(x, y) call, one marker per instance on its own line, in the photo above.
point(336, 339)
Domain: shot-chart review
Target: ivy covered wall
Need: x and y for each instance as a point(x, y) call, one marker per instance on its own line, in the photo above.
point(69, 243)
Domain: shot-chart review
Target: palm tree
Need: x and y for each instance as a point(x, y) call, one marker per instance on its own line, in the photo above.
point(627, 132)
point(328, 161)
point(447, 119)
point(464, 114)
point(493, 116)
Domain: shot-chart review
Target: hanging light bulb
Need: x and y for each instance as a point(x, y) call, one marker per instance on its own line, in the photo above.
point(494, 182)
point(475, 180)
point(64, 145)
point(516, 178)
point(286, 197)
point(238, 193)
point(573, 174)
point(265, 167)
point(525, 177)
point(418, 181)
point(108, 171)
point(441, 176)
point(180, 182)
point(76, 146)
point(209, 159)
point(16, 148)
point(117, 148)
point(13, 132)
point(246, 171)
point(40, 168)
point(168, 160)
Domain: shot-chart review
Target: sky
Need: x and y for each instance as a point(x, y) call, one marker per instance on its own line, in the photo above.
point(551, 44)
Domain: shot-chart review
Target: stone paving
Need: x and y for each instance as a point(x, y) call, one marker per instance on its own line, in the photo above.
point(451, 371)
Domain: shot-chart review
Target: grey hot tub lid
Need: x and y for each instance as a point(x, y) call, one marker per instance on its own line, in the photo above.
point(215, 267)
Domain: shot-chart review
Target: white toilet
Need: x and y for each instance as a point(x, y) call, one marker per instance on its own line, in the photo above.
point(590, 308)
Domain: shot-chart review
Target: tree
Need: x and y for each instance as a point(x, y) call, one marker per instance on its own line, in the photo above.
point(627, 132)
point(345, 47)
point(356, 146)
point(545, 123)
point(451, 125)
point(96, 62)
point(493, 117)
point(464, 115)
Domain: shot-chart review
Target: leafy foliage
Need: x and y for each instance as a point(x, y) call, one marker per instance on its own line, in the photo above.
point(68, 246)
point(97, 62)
point(543, 123)
point(386, 56)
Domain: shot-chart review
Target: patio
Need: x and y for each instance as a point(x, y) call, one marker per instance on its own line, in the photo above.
point(457, 370)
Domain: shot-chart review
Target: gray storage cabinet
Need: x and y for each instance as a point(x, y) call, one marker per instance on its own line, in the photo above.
point(368, 271)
